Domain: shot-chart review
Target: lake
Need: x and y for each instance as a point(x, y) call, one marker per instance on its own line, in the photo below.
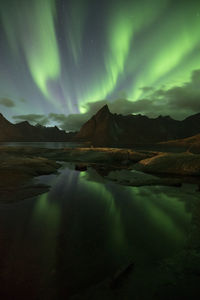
point(85, 229)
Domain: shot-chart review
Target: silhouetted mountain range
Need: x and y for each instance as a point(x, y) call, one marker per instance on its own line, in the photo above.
point(25, 132)
point(107, 129)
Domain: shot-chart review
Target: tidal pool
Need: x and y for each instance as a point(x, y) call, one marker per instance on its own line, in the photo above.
point(84, 229)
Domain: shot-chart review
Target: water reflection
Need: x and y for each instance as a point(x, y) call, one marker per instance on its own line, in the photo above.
point(86, 228)
point(101, 225)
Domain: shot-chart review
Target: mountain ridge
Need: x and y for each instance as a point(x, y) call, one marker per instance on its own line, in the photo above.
point(108, 129)
point(25, 132)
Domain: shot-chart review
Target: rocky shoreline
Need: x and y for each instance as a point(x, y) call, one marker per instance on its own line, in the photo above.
point(19, 165)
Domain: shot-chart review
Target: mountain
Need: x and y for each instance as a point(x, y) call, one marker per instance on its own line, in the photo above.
point(107, 129)
point(25, 132)
point(101, 129)
point(8, 131)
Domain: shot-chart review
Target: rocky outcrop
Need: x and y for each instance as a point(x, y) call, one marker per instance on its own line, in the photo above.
point(136, 178)
point(191, 144)
point(16, 171)
point(120, 157)
point(186, 164)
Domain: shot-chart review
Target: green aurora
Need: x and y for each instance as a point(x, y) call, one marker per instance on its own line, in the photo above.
point(69, 57)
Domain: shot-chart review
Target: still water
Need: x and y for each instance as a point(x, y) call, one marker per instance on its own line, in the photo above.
point(85, 229)
point(50, 145)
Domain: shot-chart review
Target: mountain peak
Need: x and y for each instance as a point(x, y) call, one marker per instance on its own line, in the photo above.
point(1, 116)
point(103, 113)
point(24, 124)
point(3, 120)
point(104, 109)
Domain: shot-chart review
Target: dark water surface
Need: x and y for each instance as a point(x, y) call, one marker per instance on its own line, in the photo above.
point(84, 230)
point(51, 145)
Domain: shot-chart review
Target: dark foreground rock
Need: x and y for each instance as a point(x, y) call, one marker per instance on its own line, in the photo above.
point(135, 178)
point(190, 144)
point(171, 163)
point(121, 275)
point(16, 173)
point(81, 167)
point(114, 156)
point(99, 155)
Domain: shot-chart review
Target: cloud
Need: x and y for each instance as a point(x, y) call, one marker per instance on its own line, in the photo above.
point(69, 123)
point(32, 118)
point(178, 102)
point(7, 102)
point(22, 100)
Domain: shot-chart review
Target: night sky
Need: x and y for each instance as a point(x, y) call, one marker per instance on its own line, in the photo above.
point(61, 60)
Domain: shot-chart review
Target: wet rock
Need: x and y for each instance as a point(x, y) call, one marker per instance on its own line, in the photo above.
point(16, 173)
point(92, 155)
point(135, 178)
point(99, 155)
point(9, 195)
point(121, 275)
point(81, 167)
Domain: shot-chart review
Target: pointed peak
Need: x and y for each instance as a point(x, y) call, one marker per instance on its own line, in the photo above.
point(39, 125)
point(24, 123)
point(105, 107)
point(104, 110)
point(1, 116)
point(3, 119)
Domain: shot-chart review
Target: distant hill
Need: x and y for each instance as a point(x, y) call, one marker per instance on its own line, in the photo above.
point(107, 129)
point(25, 132)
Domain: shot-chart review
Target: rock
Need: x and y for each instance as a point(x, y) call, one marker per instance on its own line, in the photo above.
point(190, 144)
point(135, 178)
point(81, 167)
point(121, 275)
point(171, 163)
point(16, 173)
point(98, 155)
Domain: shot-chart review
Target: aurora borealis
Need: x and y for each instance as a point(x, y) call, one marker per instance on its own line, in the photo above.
point(62, 60)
